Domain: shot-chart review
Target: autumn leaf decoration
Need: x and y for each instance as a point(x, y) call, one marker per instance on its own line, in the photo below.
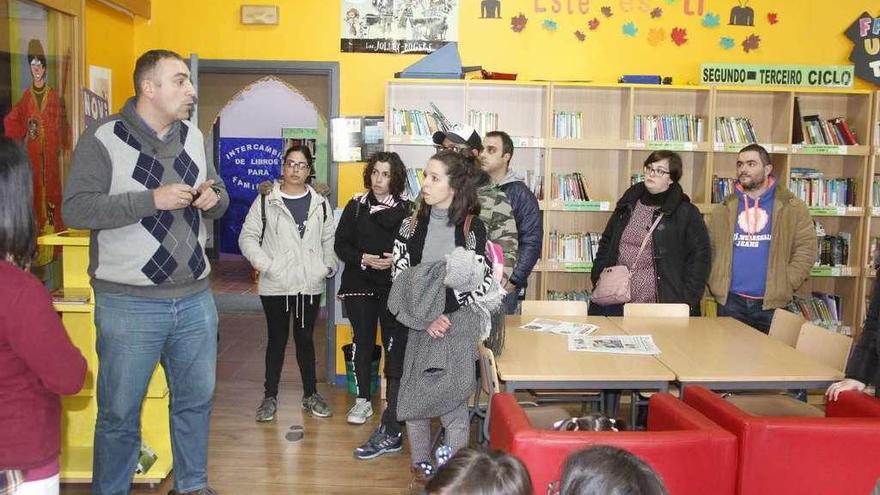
point(580, 36)
point(679, 36)
point(656, 13)
point(593, 24)
point(606, 11)
point(772, 18)
point(518, 23)
point(656, 36)
point(752, 42)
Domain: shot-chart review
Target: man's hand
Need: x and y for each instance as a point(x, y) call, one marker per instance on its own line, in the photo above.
point(206, 198)
point(173, 196)
point(439, 327)
point(509, 287)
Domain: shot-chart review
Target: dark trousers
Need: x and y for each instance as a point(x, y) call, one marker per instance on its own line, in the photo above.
point(747, 311)
point(364, 312)
point(279, 310)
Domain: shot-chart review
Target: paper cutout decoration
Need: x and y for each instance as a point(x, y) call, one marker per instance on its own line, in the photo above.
point(656, 13)
point(865, 56)
point(490, 9)
point(679, 36)
point(711, 20)
point(518, 23)
point(772, 18)
point(727, 43)
point(630, 29)
point(550, 25)
point(656, 36)
point(593, 24)
point(606, 11)
point(742, 15)
point(752, 42)
point(580, 36)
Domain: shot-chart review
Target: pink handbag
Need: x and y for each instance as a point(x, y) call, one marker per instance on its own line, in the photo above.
point(613, 284)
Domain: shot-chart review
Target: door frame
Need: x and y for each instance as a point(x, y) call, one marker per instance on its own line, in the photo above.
point(199, 66)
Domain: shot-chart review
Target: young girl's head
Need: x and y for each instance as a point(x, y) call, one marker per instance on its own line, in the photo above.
point(472, 472)
point(450, 183)
point(606, 470)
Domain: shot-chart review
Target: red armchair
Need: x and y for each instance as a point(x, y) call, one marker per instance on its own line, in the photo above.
point(837, 454)
point(692, 455)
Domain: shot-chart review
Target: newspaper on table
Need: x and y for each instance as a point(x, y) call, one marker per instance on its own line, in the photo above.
point(616, 344)
point(560, 327)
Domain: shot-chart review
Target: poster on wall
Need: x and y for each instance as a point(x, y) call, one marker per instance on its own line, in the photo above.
point(244, 164)
point(397, 26)
point(36, 88)
point(94, 107)
point(865, 35)
point(101, 82)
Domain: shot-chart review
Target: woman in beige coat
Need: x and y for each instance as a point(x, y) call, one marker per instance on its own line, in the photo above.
point(293, 251)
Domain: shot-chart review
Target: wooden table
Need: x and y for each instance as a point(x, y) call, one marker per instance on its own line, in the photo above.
point(541, 360)
point(722, 353)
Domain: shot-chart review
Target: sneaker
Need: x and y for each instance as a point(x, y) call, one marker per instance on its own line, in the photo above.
point(202, 491)
point(317, 406)
point(266, 411)
point(379, 443)
point(359, 413)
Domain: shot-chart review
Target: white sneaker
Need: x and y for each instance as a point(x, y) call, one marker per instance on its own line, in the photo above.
point(359, 413)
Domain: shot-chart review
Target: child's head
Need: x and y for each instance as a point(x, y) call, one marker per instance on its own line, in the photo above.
point(472, 472)
point(17, 232)
point(450, 183)
point(606, 470)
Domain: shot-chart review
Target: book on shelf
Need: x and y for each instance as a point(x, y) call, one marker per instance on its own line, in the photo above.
point(571, 295)
point(874, 251)
point(535, 181)
point(734, 130)
point(875, 191)
point(568, 125)
point(668, 127)
point(833, 250)
point(797, 125)
point(575, 247)
point(415, 177)
point(811, 186)
point(70, 295)
point(823, 309)
point(569, 187)
point(482, 122)
point(722, 187)
point(835, 131)
point(636, 178)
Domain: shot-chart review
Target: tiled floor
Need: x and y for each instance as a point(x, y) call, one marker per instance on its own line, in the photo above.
point(232, 274)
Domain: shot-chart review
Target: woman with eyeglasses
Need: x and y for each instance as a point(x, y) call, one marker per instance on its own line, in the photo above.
point(674, 264)
point(288, 238)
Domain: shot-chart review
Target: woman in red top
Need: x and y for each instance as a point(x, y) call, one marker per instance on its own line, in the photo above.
point(38, 363)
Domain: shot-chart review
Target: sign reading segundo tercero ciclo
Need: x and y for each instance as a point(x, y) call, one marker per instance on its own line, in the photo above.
point(820, 76)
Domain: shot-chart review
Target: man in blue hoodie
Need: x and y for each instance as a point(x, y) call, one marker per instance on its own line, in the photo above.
point(763, 243)
point(495, 157)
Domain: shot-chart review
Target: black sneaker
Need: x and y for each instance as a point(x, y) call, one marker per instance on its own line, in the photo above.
point(379, 443)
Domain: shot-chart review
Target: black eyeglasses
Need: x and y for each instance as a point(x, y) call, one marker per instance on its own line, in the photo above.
point(655, 172)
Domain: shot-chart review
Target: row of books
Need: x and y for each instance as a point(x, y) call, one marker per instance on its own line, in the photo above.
point(832, 131)
point(568, 125)
point(875, 191)
point(823, 309)
point(569, 295)
point(722, 187)
point(574, 247)
point(535, 181)
point(736, 130)
point(569, 187)
point(415, 177)
point(668, 127)
point(833, 250)
point(483, 122)
point(874, 250)
point(811, 186)
point(415, 122)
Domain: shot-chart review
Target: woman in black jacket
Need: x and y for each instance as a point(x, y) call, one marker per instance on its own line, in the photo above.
point(674, 266)
point(364, 241)
point(863, 367)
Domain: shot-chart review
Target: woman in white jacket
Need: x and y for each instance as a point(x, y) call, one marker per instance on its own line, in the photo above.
point(293, 251)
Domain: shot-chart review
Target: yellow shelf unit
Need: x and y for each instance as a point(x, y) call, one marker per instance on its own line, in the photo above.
point(606, 154)
point(79, 411)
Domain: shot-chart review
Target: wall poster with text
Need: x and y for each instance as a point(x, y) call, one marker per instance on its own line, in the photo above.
point(398, 26)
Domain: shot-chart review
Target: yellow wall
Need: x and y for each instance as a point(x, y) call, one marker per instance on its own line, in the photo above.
point(110, 43)
point(808, 31)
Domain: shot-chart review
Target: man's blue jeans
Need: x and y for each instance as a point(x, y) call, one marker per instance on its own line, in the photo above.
point(747, 311)
point(133, 334)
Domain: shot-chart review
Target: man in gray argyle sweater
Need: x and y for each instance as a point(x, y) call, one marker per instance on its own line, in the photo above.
point(141, 183)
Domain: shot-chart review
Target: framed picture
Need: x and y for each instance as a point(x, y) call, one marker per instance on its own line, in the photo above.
point(259, 14)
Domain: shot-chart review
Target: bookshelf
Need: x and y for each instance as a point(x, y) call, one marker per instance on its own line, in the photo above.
point(872, 210)
point(605, 149)
point(80, 410)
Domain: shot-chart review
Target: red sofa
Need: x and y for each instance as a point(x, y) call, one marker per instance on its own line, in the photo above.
point(693, 455)
point(837, 454)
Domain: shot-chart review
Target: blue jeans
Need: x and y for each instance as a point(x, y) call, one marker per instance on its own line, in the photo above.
point(747, 311)
point(133, 334)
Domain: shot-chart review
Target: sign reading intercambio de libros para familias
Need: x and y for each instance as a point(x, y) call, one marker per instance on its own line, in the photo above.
point(817, 76)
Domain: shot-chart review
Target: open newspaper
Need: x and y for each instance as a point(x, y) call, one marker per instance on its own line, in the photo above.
point(616, 344)
point(560, 327)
